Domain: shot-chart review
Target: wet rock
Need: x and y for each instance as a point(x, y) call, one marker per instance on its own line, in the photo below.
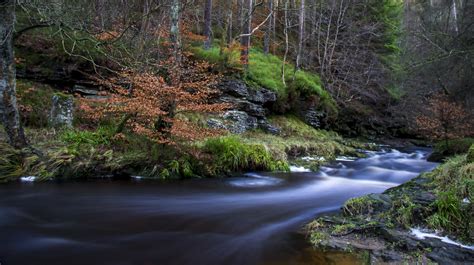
point(62, 110)
point(388, 256)
point(448, 254)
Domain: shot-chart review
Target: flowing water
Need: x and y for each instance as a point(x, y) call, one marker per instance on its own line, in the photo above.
point(253, 219)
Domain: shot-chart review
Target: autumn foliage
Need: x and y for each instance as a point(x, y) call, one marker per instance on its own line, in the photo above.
point(444, 119)
point(149, 105)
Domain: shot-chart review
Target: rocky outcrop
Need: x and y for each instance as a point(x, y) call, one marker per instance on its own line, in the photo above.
point(313, 118)
point(369, 224)
point(249, 108)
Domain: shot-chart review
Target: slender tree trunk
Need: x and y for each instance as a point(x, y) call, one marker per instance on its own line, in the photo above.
point(276, 7)
point(300, 35)
point(8, 103)
point(207, 24)
point(268, 32)
point(245, 39)
point(144, 26)
point(285, 30)
point(229, 25)
point(175, 37)
point(455, 16)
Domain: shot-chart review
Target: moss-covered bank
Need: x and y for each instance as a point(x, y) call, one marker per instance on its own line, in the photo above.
point(439, 201)
point(95, 149)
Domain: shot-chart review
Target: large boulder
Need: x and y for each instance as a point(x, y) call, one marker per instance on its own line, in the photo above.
point(62, 110)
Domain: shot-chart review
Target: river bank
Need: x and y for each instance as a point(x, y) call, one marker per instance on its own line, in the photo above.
point(428, 219)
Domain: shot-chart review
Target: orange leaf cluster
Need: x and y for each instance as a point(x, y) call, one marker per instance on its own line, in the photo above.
point(151, 104)
point(444, 119)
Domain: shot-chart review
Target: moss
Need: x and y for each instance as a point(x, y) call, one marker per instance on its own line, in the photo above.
point(343, 228)
point(359, 206)
point(316, 238)
point(298, 139)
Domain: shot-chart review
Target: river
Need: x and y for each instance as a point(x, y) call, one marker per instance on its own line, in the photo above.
point(253, 219)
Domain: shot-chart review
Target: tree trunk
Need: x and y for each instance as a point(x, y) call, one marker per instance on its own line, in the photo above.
point(207, 24)
point(175, 37)
point(8, 104)
point(246, 29)
point(268, 31)
point(229, 25)
point(285, 30)
point(301, 35)
point(144, 27)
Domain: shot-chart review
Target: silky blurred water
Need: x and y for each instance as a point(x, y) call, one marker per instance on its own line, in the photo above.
point(253, 219)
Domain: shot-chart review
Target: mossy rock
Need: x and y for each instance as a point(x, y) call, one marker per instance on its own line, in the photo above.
point(366, 205)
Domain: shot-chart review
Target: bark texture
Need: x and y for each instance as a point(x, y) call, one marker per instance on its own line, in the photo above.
point(8, 102)
point(246, 29)
point(207, 24)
